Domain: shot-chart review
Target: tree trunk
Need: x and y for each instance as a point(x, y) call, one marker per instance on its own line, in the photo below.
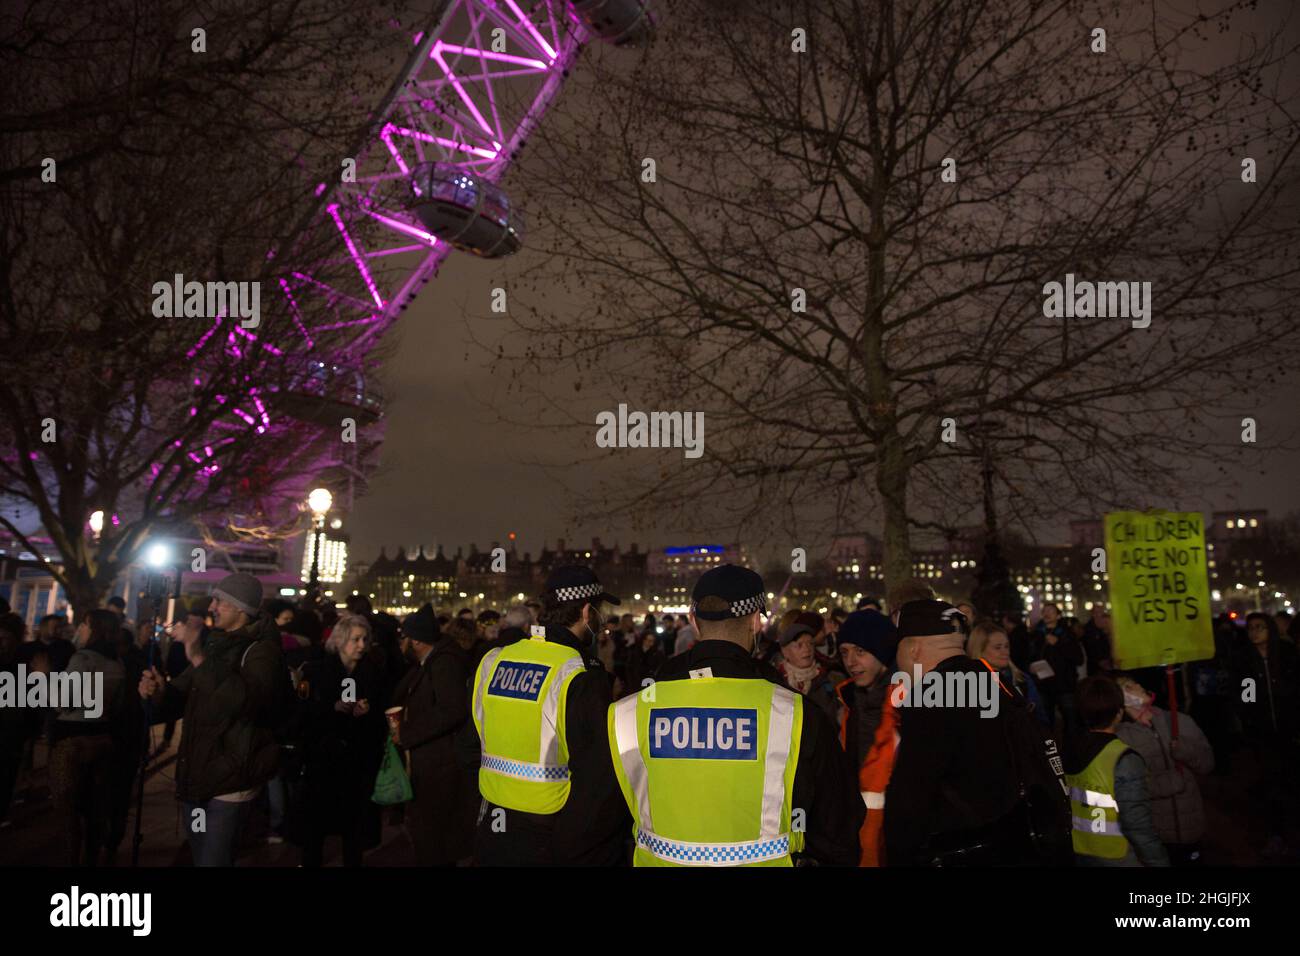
point(891, 482)
point(83, 595)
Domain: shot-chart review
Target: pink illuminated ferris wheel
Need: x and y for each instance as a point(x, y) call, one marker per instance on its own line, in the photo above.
point(427, 180)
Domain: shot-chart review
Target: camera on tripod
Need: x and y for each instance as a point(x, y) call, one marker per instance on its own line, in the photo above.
point(157, 588)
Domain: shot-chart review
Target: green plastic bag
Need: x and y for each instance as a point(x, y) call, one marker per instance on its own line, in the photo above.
point(391, 784)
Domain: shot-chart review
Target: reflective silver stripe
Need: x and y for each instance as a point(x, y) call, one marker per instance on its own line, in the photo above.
point(1093, 799)
point(549, 751)
point(780, 725)
point(629, 752)
point(873, 799)
point(485, 674)
point(523, 770)
point(1112, 827)
point(713, 854)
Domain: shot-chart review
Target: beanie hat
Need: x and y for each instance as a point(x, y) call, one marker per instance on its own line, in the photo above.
point(422, 626)
point(242, 590)
point(871, 631)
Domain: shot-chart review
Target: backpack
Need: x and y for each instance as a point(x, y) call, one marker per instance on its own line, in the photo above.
point(1044, 806)
point(283, 719)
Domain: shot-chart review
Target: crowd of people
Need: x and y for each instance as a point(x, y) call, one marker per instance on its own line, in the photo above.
point(299, 707)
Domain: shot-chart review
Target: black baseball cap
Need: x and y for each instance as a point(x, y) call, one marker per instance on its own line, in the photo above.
point(574, 582)
point(930, 619)
point(740, 587)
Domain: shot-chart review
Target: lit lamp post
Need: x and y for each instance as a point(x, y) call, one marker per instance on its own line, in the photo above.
point(319, 501)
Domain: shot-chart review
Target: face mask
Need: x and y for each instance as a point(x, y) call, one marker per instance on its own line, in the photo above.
point(1136, 701)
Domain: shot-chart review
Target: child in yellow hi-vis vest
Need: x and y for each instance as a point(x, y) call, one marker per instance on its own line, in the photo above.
point(1108, 791)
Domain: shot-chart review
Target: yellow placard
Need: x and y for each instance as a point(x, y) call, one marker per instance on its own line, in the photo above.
point(1159, 588)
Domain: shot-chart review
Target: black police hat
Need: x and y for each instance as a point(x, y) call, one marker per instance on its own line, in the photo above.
point(930, 619)
point(574, 582)
point(740, 587)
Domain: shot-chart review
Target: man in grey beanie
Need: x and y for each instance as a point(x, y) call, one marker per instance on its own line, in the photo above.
point(229, 697)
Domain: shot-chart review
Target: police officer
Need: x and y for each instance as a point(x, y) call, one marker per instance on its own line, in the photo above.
point(549, 792)
point(719, 762)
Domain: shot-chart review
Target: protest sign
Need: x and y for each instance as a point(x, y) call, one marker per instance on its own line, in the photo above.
point(1159, 588)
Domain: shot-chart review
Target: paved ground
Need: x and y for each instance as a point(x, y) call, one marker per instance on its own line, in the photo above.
point(32, 839)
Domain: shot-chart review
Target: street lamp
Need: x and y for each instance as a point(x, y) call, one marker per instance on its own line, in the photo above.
point(319, 501)
point(96, 523)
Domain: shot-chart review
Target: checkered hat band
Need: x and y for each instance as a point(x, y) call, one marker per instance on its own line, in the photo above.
point(739, 608)
point(714, 854)
point(578, 592)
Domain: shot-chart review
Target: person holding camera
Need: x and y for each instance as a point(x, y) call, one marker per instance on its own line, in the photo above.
point(229, 697)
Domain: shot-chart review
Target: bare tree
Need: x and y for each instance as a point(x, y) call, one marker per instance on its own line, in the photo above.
point(841, 253)
point(167, 160)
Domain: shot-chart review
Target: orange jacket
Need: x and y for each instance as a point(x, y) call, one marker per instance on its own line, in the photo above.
point(873, 775)
point(873, 779)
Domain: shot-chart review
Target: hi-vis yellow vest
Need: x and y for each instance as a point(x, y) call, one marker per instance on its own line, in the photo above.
point(519, 711)
point(1094, 808)
point(707, 769)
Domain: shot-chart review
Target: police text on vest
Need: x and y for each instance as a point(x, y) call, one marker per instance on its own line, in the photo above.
point(517, 679)
point(704, 733)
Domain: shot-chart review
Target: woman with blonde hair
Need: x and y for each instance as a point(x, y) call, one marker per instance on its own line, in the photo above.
point(346, 697)
point(989, 642)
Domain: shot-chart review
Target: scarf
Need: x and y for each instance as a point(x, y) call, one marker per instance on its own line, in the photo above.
point(801, 678)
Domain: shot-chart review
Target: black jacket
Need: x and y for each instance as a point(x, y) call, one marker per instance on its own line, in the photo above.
point(825, 781)
point(229, 705)
point(863, 713)
point(953, 773)
point(1064, 656)
point(643, 664)
point(1274, 713)
point(593, 827)
point(441, 817)
point(342, 752)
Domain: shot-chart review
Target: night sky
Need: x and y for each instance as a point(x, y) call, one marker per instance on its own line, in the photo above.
point(453, 472)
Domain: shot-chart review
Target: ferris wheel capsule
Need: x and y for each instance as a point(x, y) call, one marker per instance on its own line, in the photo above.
point(465, 210)
point(618, 22)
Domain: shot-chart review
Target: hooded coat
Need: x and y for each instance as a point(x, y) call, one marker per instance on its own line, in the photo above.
point(229, 703)
point(1172, 788)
